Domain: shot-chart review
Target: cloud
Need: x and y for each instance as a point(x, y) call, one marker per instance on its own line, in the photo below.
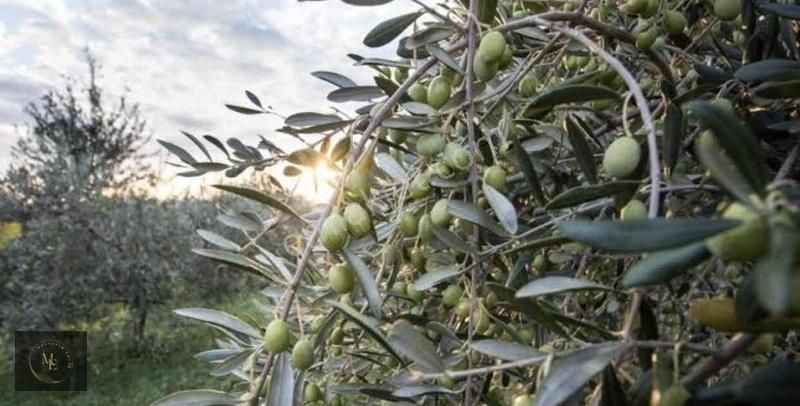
point(183, 59)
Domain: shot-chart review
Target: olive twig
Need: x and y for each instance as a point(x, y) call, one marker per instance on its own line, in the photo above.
point(473, 177)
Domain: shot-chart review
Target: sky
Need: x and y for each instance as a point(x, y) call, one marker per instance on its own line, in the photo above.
point(181, 60)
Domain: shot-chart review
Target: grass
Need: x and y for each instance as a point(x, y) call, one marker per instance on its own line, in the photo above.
point(168, 366)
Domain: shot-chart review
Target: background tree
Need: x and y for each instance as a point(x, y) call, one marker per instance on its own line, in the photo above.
point(76, 145)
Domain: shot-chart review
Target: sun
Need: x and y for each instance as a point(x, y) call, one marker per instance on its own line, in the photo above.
point(315, 184)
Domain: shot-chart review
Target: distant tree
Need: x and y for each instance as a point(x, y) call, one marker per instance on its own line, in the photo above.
point(77, 144)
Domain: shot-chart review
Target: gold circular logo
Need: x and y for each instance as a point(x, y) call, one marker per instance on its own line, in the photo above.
point(50, 361)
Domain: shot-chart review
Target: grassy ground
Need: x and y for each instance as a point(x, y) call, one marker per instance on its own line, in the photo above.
point(117, 379)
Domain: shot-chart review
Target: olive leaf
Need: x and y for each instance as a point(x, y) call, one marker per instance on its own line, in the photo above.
point(390, 29)
point(220, 320)
point(769, 69)
point(281, 386)
point(775, 272)
point(414, 345)
point(178, 151)
point(526, 165)
point(549, 285)
point(471, 213)
point(436, 277)
point(564, 94)
point(233, 362)
point(503, 208)
point(218, 240)
point(430, 35)
point(778, 90)
point(366, 280)
point(310, 118)
point(735, 139)
point(445, 58)
point(355, 93)
point(582, 194)
point(581, 149)
point(570, 372)
point(369, 325)
point(234, 259)
point(451, 240)
point(723, 170)
point(366, 2)
point(506, 350)
point(662, 266)
point(260, 197)
point(673, 136)
point(389, 165)
point(334, 78)
point(643, 235)
point(199, 397)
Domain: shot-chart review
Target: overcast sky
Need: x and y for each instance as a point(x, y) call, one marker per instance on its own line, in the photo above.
point(182, 59)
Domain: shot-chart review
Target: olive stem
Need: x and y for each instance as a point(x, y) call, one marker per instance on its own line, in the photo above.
point(473, 179)
point(738, 344)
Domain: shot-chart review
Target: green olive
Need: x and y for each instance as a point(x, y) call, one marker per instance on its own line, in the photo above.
point(495, 176)
point(457, 157)
point(483, 70)
point(439, 214)
point(622, 157)
point(442, 170)
point(418, 93)
point(334, 233)
point(725, 104)
point(462, 308)
point(527, 86)
point(636, 6)
point(447, 382)
point(675, 395)
point(303, 355)
point(674, 22)
point(727, 10)
point(492, 47)
point(398, 136)
point(276, 336)
point(316, 325)
point(526, 334)
point(312, 393)
point(430, 144)
point(399, 288)
point(541, 263)
point(646, 38)
point(357, 185)
point(341, 278)
point(634, 210)
point(522, 400)
point(408, 224)
point(415, 295)
point(507, 58)
point(451, 295)
point(651, 9)
point(745, 242)
point(420, 186)
point(358, 220)
point(425, 228)
point(418, 258)
point(400, 74)
point(337, 336)
point(438, 92)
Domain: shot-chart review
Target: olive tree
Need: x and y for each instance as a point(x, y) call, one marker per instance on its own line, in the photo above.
point(538, 202)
